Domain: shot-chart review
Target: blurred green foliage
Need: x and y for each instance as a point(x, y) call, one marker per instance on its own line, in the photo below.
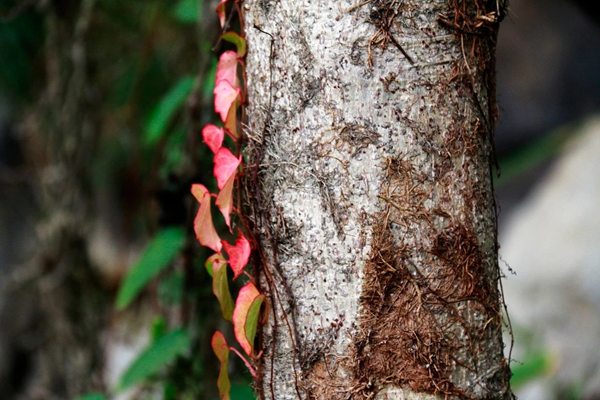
point(160, 353)
point(92, 396)
point(20, 45)
point(529, 156)
point(188, 11)
point(151, 70)
point(171, 289)
point(242, 391)
point(535, 365)
point(162, 114)
point(157, 256)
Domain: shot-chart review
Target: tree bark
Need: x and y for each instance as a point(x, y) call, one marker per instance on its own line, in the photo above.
point(73, 303)
point(370, 197)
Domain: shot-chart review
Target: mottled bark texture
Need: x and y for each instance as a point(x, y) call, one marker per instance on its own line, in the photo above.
point(73, 304)
point(370, 197)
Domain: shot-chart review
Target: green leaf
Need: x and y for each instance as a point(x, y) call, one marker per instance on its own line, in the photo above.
point(220, 288)
point(237, 40)
point(252, 321)
point(245, 316)
point(221, 350)
point(157, 256)
point(155, 357)
point(92, 396)
point(163, 113)
point(535, 365)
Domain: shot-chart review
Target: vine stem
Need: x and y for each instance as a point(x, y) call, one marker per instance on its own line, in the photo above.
point(252, 370)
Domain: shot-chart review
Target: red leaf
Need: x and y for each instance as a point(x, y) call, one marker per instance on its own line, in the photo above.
point(213, 137)
point(238, 254)
point(227, 68)
point(225, 165)
point(203, 223)
point(245, 316)
point(225, 200)
point(225, 96)
point(219, 346)
point(221, 12)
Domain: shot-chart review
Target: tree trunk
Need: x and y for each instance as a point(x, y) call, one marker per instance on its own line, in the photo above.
point(73, 303)
point(369, 180)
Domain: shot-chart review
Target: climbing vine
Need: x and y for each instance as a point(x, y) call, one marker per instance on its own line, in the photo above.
point(229, 99)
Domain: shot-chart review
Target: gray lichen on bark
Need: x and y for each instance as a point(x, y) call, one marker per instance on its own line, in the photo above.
point(365, 159)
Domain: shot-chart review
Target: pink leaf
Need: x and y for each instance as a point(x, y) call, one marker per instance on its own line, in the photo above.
point(219, 346)
point(213, 137)
point(238, 254)
point(199, 191)
point(225, 165)
point(215, 258)
point(225, 96)
point(231, 121)
point(203, 223)
point(245, 316)
point(226, 101)
point(225, 200)
point(227, 68)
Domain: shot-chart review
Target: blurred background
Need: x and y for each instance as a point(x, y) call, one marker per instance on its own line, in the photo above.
point(101, 105)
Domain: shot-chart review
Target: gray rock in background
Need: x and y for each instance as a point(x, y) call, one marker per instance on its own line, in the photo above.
point(552, 241)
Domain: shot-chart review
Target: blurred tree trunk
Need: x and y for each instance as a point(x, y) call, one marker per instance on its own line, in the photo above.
point(370, 127)
point(72, 302)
